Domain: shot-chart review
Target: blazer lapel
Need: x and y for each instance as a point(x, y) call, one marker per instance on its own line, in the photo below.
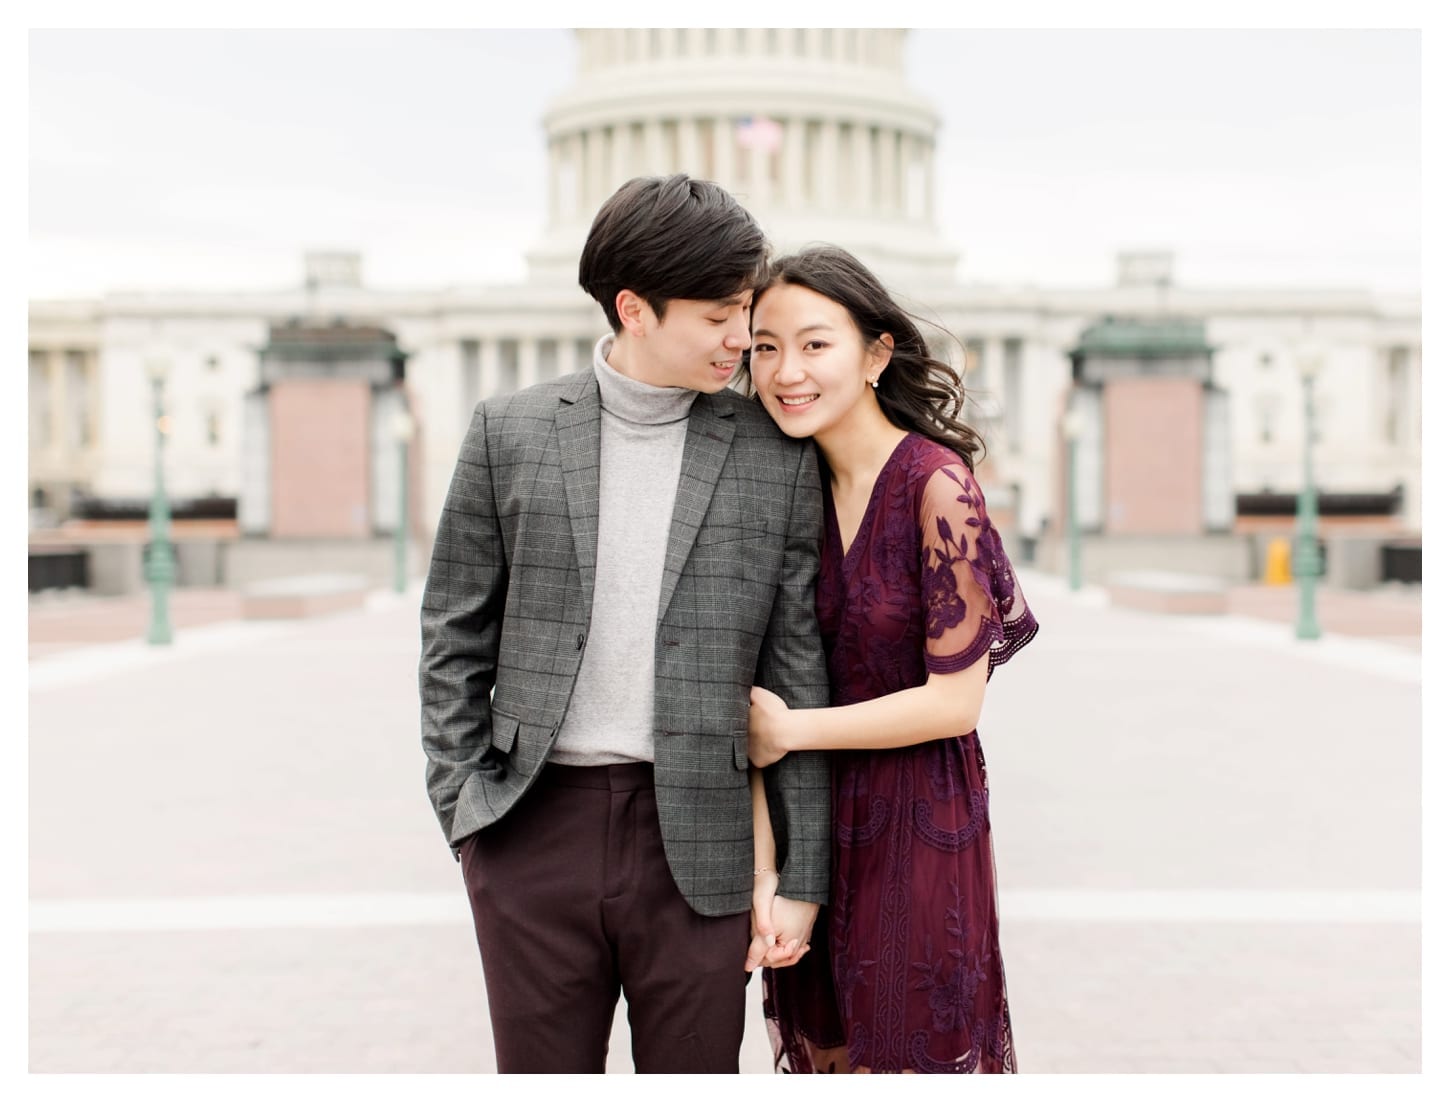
point(707, 443)
point(577, 426)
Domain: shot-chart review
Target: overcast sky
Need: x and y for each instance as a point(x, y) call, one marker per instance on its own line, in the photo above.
point(212, 159)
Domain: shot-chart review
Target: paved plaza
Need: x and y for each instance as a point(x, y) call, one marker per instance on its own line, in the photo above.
point(1208, 838)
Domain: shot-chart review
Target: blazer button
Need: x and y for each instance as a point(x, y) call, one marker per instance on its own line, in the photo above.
point(579, 642)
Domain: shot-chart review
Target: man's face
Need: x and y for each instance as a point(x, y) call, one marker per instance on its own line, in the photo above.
point(697, 344)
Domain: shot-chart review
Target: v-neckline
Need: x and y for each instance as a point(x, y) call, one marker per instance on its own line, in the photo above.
point(848, 553)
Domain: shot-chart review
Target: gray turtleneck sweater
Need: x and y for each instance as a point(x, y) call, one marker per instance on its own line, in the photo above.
point(641, 445)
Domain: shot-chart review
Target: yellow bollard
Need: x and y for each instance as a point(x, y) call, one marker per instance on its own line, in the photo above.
point(1277, 562)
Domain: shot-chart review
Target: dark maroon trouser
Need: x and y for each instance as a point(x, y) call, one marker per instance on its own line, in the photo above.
point(572, 901)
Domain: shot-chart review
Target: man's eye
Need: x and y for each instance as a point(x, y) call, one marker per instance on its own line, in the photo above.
point(716, 321)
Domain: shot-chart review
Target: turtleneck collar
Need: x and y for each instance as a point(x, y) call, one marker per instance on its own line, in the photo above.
point(631, 400)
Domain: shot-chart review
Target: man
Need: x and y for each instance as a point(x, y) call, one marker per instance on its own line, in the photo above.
point(621, 554)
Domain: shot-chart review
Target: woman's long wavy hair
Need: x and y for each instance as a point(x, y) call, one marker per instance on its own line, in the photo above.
point(917, 392)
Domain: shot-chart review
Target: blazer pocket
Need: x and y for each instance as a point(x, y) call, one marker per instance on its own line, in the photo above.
point(742, 753)
point(722, 533)
point(505, 730)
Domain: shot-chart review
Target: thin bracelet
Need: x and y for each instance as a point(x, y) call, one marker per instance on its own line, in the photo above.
point(767, 868)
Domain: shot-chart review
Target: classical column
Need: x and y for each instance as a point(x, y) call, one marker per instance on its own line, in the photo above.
point(528, 361)
point(554, 158)
point(619, 166)
point(928, 162)
point(833, 195)
point(655, 162)
point(860, 140)
point(793, 163)
point(488, 365)
point(574, 201)
point(59, 401)
point(813, 42)
point(724, 138)
point(581, 169)
point(594, 174)
point(993, 380)
point(915, 207)
point(758, 173)
point(689, 131)
point(886, 171)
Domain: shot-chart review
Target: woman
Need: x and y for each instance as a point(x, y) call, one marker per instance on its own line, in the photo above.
point(917, 605)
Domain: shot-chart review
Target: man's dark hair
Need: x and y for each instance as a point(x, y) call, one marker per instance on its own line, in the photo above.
point(666, 237)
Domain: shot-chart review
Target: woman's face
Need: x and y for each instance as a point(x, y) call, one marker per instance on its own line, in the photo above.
point(807, 360)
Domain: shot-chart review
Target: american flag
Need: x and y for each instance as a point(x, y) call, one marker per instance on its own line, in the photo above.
point(758, 133)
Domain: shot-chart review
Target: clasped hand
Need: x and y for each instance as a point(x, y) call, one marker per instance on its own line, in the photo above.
point(780, 928)
point(770, 720)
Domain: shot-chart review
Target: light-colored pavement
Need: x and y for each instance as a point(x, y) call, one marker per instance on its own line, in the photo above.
point(1208, 839)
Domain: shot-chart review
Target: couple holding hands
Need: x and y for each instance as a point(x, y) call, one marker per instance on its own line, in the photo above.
point(701, 670)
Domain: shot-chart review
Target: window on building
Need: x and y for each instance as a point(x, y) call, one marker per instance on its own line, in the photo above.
point(213, 363)
point(548, 359)
point(973, 373)
point(213, 428)
point(470, 380)
point(1266, 415)
point(79, 429)
point(39, 400)
point(583, 354)
point(1266, 361)
point(508, 367)
point(1012, 411)
point(1397, 396)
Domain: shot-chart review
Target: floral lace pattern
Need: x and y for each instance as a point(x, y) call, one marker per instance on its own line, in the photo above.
point(911, 978)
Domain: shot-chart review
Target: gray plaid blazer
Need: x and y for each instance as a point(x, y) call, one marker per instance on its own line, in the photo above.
point(506, 616)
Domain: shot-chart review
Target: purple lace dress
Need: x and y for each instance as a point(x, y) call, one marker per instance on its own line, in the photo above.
point(904, 972)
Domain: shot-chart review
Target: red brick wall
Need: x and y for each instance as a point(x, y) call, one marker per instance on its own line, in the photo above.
point(320, 460)
point(1153, 466)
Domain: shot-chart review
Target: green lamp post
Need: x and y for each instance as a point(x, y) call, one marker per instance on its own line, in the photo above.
point(402, 435)
point(1306, 549)
point(160, 568)
point(1072, 430)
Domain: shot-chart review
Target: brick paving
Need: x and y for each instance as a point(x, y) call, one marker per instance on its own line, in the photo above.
point(64, 621)
point(1391, 613)
point(1126, 751)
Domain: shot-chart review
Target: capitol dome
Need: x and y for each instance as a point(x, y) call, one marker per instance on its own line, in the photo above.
point(814, 130)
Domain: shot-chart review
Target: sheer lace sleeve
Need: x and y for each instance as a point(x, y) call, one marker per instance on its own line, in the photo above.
point(972, 602)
